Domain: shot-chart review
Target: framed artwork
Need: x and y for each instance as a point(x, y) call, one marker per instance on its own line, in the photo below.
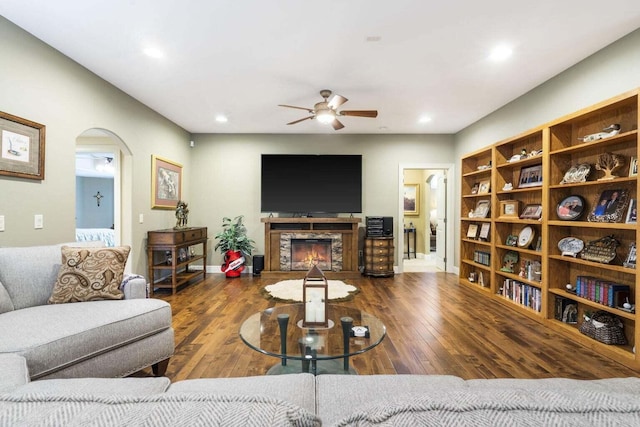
point(609, 207)
point(630, 262)
point(509, 208)
point(166, 183)
point(412, 199)
point(533, 211)
point(485, 187)
point(530, 176)
point(472, 231)
point(484, 231)
point(482, 209)
point(570, 208)
point(633, 166)
point(632, 212)
point(22, 145)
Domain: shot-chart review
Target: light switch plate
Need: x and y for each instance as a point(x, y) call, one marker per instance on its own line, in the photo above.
point(38, 221)
point(1, 222)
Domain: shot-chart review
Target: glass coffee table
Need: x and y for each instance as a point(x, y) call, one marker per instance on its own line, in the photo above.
point(278, 332)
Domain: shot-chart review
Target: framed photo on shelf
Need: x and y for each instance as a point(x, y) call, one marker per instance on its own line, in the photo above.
point(21, 147)
point(509, 208)
point(632, 212)
point(472, 231)
point(533, 211)
point(610, 206)
point(630, 262)
point(474, 189)
point(482, 209)
point(484, 231)
point(412, 199)
point(570, 208)
point(485, 187)
point(633, 166)
point(512, 240)
point(530, 176)
point(166, 183)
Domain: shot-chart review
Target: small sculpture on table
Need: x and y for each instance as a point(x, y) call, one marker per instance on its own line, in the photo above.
point(182, 215)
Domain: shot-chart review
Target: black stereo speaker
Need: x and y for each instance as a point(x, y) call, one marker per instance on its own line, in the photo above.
point(387, 226)
point(258, 264)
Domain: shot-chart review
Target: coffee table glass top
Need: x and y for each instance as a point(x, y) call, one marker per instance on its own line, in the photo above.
point(262, 333)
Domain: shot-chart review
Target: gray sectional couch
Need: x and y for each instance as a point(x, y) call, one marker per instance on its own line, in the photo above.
point(110, 338)
point(305, 400)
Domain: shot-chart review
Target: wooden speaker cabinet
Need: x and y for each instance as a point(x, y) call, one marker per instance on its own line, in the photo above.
point(378, 256)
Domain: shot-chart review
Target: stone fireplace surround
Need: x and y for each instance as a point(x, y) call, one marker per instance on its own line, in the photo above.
point(285, 248)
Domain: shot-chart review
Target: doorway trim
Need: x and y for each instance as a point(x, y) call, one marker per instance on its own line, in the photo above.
point(449, 230)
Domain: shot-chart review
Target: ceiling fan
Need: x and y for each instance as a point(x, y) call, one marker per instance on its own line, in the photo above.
point(327, 111)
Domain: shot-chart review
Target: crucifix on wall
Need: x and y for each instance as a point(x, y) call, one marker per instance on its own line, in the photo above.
point(98, 196)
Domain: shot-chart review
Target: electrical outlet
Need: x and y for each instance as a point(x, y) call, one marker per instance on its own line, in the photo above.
point(1, 222)
point(38, 221)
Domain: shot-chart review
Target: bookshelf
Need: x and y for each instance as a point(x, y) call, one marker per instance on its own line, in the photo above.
point(542, 172)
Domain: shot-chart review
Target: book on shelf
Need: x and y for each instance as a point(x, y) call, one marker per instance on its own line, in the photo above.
point(602, 291)
point(522, 293)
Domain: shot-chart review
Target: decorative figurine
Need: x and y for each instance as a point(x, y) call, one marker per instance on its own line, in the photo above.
point(607, 132)
point(182, 215)
point(608, 162)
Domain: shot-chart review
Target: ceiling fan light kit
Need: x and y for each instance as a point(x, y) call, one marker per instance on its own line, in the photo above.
point(326, 111)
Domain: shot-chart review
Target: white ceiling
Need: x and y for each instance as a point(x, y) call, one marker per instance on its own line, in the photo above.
point(242, 58)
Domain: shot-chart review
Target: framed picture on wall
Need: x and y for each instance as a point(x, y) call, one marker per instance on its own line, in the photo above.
point(166, 183)
point(412, 199)
point(22, 147)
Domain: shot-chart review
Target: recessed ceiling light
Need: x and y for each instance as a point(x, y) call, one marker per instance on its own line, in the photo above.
point(153, 52)
point(424, 119)
point(221, 119)
point(500, 53)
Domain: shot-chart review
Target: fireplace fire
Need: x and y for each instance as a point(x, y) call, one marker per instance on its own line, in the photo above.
point(305, 253)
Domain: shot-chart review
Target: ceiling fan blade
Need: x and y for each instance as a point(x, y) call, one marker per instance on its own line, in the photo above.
point(360, 113)
point(336, 124)
point(337, 101)
point(299, 108)
point(300, 120)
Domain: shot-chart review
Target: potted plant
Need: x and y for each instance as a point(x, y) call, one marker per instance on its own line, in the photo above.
point(234, 244)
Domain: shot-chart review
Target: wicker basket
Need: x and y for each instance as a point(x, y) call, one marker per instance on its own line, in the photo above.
point(604, 327)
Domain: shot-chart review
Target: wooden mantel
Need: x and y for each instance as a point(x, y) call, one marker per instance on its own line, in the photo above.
point(347, 227)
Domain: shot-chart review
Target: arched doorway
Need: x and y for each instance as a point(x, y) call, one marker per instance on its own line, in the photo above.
point(101, 144)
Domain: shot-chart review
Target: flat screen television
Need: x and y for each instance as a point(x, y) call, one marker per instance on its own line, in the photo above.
point(311, 184)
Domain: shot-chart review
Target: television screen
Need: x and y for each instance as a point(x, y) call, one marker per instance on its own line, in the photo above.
point(307, 184)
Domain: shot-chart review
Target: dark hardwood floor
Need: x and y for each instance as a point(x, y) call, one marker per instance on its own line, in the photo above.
point(434, 326)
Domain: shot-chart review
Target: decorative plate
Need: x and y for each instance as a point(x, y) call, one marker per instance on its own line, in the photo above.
point(578, 173)
point(570, 246)
point(570, 208)
point(525, 238)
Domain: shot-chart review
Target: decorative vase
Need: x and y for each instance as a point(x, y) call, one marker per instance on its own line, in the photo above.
point(233, 263)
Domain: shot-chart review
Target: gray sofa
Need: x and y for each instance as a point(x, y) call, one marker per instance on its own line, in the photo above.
point(305, 400)
point(109, 338)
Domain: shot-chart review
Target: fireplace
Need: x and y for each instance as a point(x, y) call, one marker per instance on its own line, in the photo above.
point(298, 250)
point(305, 253)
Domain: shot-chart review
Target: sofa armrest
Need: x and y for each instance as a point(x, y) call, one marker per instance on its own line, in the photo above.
point(13, 372)
point(134, 286)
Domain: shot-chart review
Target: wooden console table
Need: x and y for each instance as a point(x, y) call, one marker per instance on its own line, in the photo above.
point(346, 227)
point(176, 243)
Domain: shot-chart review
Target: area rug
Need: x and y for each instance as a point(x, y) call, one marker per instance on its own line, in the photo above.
point(291, 290)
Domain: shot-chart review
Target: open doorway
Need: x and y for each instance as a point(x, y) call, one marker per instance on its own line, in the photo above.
point(423, 212)
point(101, 153)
